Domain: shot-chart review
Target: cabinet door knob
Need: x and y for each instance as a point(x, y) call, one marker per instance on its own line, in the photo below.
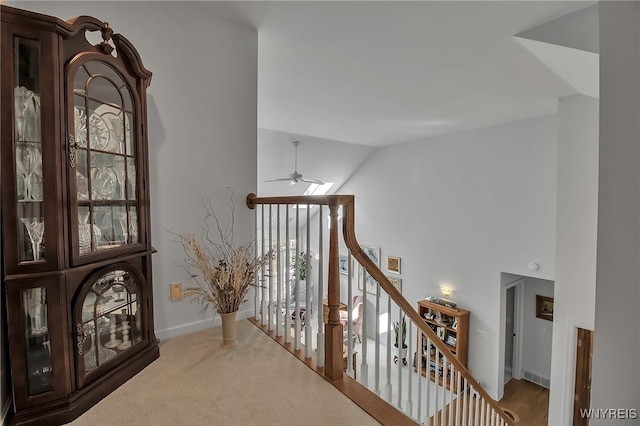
point(82, 336)
point(72, 150)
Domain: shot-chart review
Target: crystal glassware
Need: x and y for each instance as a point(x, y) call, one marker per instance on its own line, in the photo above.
point(35, 229)
point(22, 97)
point(84, 232)
point(35, 306)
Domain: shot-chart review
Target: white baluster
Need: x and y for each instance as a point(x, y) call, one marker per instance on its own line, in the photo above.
point(287, 283)
point(308, 337)
point(399, 342)
point(377, 343)
point(364, 366)
point(279, 329)
point(270, 269)
point(458, 395)
point(263, 303)
point(409, 352)
point(428, 379)
point(418, 370)
point(320, 289)
point(256, 293)
point(296, 343)
point(388, 386)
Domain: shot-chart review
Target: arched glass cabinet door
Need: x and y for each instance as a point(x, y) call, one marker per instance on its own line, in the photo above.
point(102, 160)
point(108, 319)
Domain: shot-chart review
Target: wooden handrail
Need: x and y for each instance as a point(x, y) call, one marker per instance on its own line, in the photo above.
point(348, 230)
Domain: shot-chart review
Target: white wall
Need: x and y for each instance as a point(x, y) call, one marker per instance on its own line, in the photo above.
point(537, 332)
point(577, 213)
point(616, 370)
point(202, 125)
point(459, 209)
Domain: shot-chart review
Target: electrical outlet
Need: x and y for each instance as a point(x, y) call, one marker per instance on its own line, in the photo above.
point(175, 291)
point(482, 333)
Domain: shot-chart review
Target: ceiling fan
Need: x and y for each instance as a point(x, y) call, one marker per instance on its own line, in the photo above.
point(296, 177)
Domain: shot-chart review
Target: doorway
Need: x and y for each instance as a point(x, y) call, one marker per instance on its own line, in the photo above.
point(584, 355)
point(513, 330)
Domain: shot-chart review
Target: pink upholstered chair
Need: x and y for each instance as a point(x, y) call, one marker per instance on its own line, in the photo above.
point(356, 317)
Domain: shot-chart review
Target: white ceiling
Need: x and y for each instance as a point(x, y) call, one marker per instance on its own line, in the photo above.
point(383, 73)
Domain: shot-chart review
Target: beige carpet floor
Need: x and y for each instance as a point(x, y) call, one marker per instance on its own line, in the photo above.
point(195, 382)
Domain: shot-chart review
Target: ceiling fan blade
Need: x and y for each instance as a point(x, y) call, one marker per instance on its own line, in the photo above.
point(316, 181)
point(278, 180)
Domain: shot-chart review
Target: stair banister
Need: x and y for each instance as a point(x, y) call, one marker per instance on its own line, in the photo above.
point(333, 329)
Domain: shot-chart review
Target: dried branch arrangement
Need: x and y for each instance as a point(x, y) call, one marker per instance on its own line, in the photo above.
point(222, 271)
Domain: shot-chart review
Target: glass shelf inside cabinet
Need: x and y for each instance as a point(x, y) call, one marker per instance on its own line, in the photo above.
point(110, 318)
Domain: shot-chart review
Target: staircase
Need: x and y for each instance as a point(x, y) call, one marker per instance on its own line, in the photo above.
point(301, 289)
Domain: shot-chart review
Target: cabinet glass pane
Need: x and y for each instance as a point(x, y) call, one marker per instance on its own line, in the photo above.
point(110, 319)
point(38, 349)
point(28, 150)
point(106, 163)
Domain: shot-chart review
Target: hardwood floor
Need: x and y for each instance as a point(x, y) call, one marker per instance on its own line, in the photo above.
point(530, 402)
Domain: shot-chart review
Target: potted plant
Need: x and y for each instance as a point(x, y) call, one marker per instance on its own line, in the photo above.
point(299, 283)
point(222, 270)
point(302, 266)
point(400, 331)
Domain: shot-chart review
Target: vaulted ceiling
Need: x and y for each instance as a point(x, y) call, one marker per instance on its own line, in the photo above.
point(347, 77)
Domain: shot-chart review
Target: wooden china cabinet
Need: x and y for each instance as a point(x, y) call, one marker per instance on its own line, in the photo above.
point(75, 213)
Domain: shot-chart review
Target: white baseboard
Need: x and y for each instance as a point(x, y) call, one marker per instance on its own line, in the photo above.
point(192, 327)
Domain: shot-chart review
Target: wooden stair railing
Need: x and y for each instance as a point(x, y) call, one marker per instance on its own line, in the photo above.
point(474, 405)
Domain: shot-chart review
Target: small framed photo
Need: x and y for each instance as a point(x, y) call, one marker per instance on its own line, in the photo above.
point(441, 333)
point(544, 307)
point(370, 283)
point(397, 282)
point(343, 264)
point(373, 253)
point(451, 339)
point(393, 264)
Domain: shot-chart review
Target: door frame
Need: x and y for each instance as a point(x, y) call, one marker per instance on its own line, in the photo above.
point(518, 324)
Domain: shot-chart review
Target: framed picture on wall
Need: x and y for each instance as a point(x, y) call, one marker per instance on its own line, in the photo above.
point(393, 264)
point(370, 284)
point(544, 307)
point(343, 264)
point(397, 282)
point(373, 253)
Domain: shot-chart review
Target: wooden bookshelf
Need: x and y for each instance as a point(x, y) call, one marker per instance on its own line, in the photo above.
point(452, 326)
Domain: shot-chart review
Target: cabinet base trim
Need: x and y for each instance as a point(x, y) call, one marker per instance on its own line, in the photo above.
point(68, 409)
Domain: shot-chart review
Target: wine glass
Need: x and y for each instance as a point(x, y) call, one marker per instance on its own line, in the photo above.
point(28, 162)
point(36, 307)
point(21, 173)
point(22, 97)
point(35, 229)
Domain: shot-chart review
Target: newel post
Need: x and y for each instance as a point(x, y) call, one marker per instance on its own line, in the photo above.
point(333, 361)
